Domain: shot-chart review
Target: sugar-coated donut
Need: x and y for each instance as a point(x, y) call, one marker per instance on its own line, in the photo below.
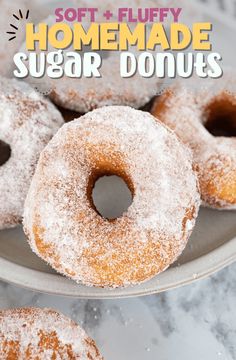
point(84, 94)
point(204, 117)
point(62, 223)
point(28, 122)
point(43, 334)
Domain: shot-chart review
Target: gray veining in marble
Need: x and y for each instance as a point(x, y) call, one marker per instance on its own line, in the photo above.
point(196, 322)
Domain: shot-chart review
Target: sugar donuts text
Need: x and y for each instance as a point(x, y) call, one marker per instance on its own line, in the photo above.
point(152, 46)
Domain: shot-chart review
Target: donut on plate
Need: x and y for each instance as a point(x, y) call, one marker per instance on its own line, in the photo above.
point(203, 115)
point(62, 223)
point(28, 122)
point(84, 94)
point(43, 334)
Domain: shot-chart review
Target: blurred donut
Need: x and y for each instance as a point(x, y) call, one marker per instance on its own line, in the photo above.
point(28, 122)
point(31, 333)
point(204, 117)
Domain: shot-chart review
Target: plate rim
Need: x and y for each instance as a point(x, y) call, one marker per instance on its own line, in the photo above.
point(177, 276)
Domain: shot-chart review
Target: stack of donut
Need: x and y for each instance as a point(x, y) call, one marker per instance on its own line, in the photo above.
point(168, 162)
point(182, 153)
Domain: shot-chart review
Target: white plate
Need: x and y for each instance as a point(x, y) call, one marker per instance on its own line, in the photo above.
point(211, 247)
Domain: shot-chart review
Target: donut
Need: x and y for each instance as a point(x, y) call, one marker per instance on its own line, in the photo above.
point(203, 116)
point(28, 121)
point(62, 223)
point(84, 94)
point(33, 333)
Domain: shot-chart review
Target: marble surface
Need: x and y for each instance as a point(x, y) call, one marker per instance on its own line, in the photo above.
point(196, 322)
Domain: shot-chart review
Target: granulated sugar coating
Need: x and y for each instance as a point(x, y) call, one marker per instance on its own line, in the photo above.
point(83, 94)
point(28, 122)
point(203, 115)
point(86, 94)
point(43, 334)
point(62, 223)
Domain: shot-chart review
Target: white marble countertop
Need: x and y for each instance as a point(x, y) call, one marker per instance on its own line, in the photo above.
point(196, 322)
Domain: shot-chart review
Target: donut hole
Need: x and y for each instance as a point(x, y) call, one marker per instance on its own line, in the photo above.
point(5, 152)
point(111, 196)
point(221, 117)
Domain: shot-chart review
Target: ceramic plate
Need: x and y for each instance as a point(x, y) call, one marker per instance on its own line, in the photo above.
point(211, 247)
